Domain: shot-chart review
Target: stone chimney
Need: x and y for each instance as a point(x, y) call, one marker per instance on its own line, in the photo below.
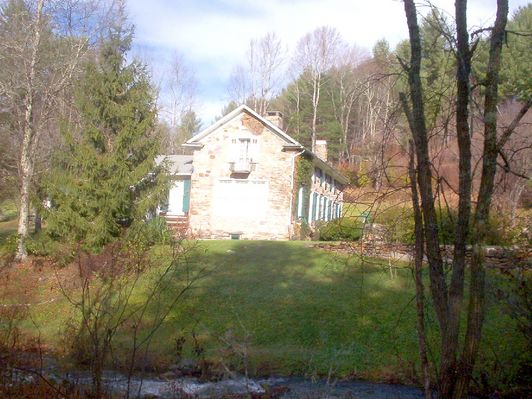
point(275, 117)
point(320, 149)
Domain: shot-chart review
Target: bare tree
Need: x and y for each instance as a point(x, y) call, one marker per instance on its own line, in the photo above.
point(182, 87)
point(258, 82)
point(346, 92)
point(315, 54)
point(418, 275)
point(103, 293)
point(455, 368)
point(238, 89)
point(29, 51)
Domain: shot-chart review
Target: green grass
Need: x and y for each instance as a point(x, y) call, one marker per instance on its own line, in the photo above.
point(354, 210)
point(7, 243)
point(301, 308)
point(296, 310)
point(8, 210)
point(6, 229)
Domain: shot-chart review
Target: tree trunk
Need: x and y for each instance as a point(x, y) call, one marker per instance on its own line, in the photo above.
point(26, 153)
point(315, 103)
point(475, 315)
point(418, 276)
point(438, 284)
point(38, 222)
point(26, 171)
point(456, 287)
point(455, 376)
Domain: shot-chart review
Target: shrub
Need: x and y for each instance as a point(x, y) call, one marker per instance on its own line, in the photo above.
point(8, 245)
point(152, 232)
point(41, 244)
point(302, 231)
point(343, 229)
point(400, 224)
point(8, 211)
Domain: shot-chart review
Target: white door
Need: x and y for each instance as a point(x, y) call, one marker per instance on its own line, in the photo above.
point(175, 198)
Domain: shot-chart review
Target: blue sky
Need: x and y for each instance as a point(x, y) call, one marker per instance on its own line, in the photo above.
point(212, 35)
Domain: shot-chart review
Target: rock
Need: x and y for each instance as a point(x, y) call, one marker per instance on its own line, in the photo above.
point(187, 367)
point(187, 363)
point(169, 375)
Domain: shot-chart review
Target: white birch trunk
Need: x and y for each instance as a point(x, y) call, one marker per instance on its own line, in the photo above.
point(26, 154)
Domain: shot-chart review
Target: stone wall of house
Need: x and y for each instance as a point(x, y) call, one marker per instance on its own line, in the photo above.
point(272, 167)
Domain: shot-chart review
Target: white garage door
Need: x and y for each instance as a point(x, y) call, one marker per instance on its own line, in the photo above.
point(237, 203)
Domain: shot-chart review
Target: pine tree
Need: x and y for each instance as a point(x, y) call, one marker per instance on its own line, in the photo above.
point(189, 126)
point(104, 181)
point(516, 73)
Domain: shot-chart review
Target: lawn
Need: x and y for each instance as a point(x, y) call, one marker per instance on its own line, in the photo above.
point(7, 228)
point(286, 308)
point(300, 310)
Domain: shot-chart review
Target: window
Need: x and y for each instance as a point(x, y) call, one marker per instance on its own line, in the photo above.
point(328, 182)
point(243, 151)
point(317, 175)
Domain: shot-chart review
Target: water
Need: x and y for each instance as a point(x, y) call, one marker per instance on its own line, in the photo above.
point(281, 387)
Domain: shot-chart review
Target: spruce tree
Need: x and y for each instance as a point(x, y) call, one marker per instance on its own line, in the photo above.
point(104, 178)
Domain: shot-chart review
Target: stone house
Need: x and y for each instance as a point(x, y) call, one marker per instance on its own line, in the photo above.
point(248, 179)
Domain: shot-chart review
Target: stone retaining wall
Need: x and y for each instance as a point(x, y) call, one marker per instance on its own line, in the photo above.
point(496, 257)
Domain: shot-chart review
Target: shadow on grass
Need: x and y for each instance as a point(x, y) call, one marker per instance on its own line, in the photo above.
point(297, 310)
point(285, 308)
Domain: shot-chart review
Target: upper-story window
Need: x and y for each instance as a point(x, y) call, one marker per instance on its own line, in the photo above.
point(243, 154)
point(327, 182)
point(318, 176)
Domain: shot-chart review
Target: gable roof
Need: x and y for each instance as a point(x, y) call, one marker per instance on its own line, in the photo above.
point(291, 143)
point(237, 111)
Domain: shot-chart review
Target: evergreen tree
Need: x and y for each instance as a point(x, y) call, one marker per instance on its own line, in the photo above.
point(296, 106)
point(381, 51)
point(104, 180)
point(227, 108)
point(516, 72)
point(189, 126)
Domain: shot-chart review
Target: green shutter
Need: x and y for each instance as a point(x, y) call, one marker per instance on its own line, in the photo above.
point(296, 205)
point(186, 195)
point(314, 205)
point(304, 209)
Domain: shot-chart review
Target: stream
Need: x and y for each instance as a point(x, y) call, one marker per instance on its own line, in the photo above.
point(277, 387)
